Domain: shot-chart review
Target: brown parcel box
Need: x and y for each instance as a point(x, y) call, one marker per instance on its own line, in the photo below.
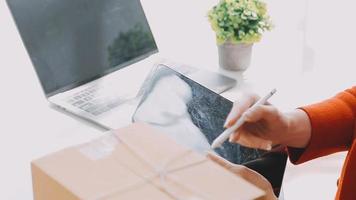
point(135, 162)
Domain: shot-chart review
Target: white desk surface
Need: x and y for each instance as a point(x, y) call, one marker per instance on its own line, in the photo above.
point(306, 60)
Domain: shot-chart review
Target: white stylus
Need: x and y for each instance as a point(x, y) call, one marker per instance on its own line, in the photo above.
point(226, 134)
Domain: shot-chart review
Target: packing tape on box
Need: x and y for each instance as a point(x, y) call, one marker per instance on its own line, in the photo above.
point(107, 144)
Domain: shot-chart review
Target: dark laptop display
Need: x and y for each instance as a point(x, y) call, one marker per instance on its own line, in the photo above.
point(194, 116)
point(72, 42)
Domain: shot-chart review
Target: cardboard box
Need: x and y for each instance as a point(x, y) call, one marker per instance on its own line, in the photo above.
point(132, 163)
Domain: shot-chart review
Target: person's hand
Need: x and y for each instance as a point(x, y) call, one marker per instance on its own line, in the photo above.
point(249, 175)
point(266, 126)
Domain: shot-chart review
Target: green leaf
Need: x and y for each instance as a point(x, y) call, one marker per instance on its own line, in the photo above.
point(239, 21)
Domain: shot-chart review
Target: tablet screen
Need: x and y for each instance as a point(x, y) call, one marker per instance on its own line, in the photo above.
point(189, 113)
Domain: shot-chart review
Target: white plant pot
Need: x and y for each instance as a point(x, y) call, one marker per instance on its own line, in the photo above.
point(235, 57)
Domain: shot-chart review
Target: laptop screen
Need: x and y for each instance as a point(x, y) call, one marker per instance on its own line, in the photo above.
point(72, 42)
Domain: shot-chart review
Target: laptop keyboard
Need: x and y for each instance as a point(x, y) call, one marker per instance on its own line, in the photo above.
point(95, 100)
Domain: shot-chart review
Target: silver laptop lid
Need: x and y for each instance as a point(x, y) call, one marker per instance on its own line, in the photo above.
point(72, 42)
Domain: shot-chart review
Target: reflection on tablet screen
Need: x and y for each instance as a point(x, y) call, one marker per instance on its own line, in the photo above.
point(189, 113)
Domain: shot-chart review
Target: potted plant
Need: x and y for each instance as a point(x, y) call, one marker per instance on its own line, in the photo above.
point(238, 24)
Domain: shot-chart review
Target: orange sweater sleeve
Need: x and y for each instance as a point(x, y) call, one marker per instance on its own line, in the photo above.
point(333, 126)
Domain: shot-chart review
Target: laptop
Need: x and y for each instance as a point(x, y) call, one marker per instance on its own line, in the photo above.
point(194, 116)
point(91, 57)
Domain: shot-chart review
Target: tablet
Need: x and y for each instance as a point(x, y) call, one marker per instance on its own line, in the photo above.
point(189, 113)
point(192, 115)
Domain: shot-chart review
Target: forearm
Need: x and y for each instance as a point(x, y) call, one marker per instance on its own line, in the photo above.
point(299, 129)
point(332, 127)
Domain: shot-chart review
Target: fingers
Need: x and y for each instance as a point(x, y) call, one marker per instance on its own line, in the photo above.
point(248, 139)
point(252, 141)
point(234, 137)
point(240, 107)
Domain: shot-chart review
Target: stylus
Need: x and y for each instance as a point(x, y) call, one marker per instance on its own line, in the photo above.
point(226, 134)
